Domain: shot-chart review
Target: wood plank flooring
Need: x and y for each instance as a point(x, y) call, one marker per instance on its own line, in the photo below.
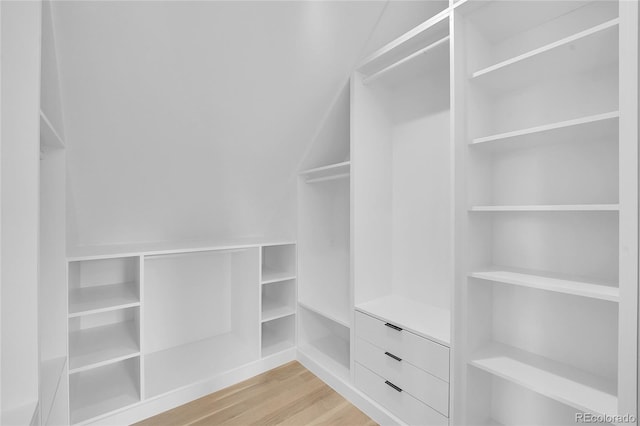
point(288, 395)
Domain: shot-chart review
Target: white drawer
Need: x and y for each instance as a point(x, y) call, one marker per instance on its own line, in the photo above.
point(430, 356)
point(401, 404)
point(418, 383)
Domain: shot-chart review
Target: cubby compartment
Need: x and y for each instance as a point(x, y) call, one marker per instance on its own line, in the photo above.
point(104, 284)
point(278, 300)
point(568, 355)
point(556, 74)
point(403, 191)
point(580, 246)
point(104, 389)
point(201, 314)
point(103, 338)
point(278, 335)
point(278, 263)
point(324, 242)
point(515, 43)
point(565, 171)
point(499, 401)
point(325, 341)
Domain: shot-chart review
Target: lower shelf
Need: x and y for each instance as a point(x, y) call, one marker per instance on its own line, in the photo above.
point(331, 352)
point(183, 365)
point(278, 335)
point(103, 390)
point(575, 388)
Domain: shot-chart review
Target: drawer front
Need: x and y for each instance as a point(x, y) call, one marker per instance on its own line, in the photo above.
point(430, 356)
point(418, 383)
point(401, 404)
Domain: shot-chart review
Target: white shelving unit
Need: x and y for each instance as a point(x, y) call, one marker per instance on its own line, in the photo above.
point(148, 321)
point(278, 298)
point(104, 336)
point(542, 200)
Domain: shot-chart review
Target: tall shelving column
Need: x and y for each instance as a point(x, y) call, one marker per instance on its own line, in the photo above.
point(104, 336)
point(546, 247)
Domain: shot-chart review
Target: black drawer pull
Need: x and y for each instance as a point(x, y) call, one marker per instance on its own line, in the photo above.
point(395, 327)
point(389, 354)
point(393, 386)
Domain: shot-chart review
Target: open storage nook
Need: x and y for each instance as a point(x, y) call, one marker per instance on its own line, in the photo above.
point(324, 215)
point(278, 263)
point(325, 341)
point(402, 184)
point(103, 285)
point(201, 316)
point(104, 389)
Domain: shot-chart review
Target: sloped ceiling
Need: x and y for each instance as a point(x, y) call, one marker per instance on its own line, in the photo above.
point(188, 120)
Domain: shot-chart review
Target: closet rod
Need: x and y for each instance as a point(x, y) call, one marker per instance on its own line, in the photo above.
point(414, 55)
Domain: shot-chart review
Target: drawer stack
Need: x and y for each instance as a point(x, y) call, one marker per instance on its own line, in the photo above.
point(406, 373)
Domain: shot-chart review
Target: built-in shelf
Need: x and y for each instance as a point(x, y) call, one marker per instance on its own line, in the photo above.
point(103, 298)
point(599, 126)
point(278, 335)
point(587, 49)
point(564, 383)
point(102, 390)
point(271, 276)
point(49, 136)
point(274, 309)
point(326, 173)
point(541, 281)
point(331, 352)
point(549, 208)
point(98, 346)
point(195, 362)
point(328, 311)
point(425, 320)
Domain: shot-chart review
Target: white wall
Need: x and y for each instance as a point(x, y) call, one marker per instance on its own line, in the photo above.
point(19, 164)
point(187, 120)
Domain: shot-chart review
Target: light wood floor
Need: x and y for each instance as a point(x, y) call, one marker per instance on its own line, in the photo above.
point(288, 395)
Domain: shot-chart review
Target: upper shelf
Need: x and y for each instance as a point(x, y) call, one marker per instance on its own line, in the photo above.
point(564, 383)
point(599, 126)
point(49, 137)
point(585, 50)
point(425, 320)
point(416, 40)
point(542, 281)
point(103, 298)
point(549, 208)
point(325, 173)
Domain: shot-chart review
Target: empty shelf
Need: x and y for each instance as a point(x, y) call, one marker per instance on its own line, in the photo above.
point(329, 311)
point(592, 127)
point(271, 276)
point(561, 382)
point(325, 173)
point(541, 281)
point(195, 362)
point(93, 347)
point(585, 50)
point(102, 390)
point(91, 300)
point(331, 352)
point(274, 309)
point(549, 208)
